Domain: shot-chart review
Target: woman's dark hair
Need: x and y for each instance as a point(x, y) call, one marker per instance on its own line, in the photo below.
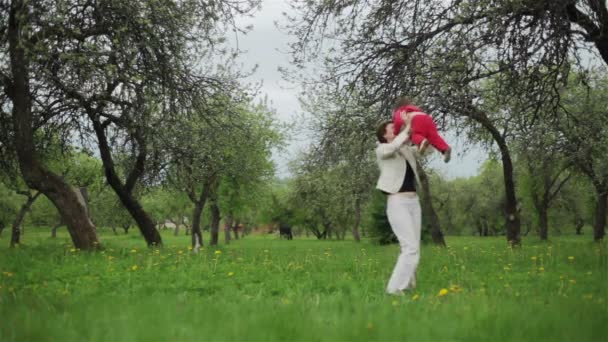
point(402, 101)
point(381, 131)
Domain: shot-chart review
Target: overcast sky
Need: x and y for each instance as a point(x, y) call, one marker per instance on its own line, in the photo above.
point(266, 46)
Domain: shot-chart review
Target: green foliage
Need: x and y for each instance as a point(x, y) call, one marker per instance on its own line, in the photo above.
point(376, 220)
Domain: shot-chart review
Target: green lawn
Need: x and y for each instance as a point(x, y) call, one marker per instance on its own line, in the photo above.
point(262, 288)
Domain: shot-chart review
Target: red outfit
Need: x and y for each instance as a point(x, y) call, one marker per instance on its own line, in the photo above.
point(423, 127)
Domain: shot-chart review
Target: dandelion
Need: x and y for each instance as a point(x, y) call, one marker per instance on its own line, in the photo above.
point(134, 251)
point(73, 250)
point(110, 258)
point(442, 292)
point(415, 297)
point(588, 296)
point(134, 267)
point(541, 269)
point(230, 274)
point(218, 252)
point(8, 274)
point(571, 258)
point(189, 248)
point(533, 258)
point(572, 281)
point(180, 252)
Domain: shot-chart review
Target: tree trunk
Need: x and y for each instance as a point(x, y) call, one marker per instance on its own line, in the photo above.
point(215, 223)
point(36, 176)
point(513, 225)
point(54, 229)
point(355, 229)
point(431, 215)
point(124, 192)
point(235, 229)
point(114, 230)
point(197, 235)
point(579, 223)
point(16, 231)
point(601, 208)
point(126, 228)
point(543, 219)
point(227, 227)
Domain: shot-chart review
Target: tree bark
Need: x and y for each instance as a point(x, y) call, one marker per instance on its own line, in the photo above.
point(513, 225)
point(197, 235)
point(54, 229)
point(235, 229)
point(599, 225)
point(227, 227)
point(431, 214)
point(215, 222)
point(16, 231)
point(355, 229)
point(36, 176)
point(124, 191)
point(543, 218)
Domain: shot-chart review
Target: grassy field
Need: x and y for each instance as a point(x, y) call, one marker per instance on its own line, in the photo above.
point(262, 288)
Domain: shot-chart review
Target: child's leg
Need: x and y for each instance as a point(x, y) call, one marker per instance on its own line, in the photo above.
point(417, 138)
point(431, 133)
point(418, 132)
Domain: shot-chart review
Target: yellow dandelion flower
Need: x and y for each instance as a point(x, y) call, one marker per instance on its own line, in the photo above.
point(415, 297)
point(533, 258)
point(541, 269)
point(180, 252)
point(72, 250)
point(230, 274)
point(8, 274)
point(110, 258)
point(571, 258)
point(442, 292)
point(134, 251)
point(572, 281)
point(134, 267)
point(189, 248)
point(218, 252)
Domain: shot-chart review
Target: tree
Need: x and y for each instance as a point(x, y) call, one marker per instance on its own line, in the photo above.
point(20, 34)
point(440, 51)
point(583, 124)
point(223, 158)
point(123, 66)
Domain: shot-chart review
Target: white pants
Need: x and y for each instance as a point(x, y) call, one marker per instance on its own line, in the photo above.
point(404, 215)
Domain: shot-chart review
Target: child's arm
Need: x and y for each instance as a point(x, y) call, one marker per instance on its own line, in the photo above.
point(387, 150)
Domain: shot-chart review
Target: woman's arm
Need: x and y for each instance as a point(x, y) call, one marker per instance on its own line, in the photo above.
point(387, 150)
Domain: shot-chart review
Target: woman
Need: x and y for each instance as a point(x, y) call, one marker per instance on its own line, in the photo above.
point(397, 163)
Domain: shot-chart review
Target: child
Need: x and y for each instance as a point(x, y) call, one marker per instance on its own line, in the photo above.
point(424, 131)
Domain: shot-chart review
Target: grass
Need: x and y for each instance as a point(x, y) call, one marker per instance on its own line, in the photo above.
point(262, 288)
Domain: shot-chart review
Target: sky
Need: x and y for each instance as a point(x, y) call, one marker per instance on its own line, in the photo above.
point(266, 47)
